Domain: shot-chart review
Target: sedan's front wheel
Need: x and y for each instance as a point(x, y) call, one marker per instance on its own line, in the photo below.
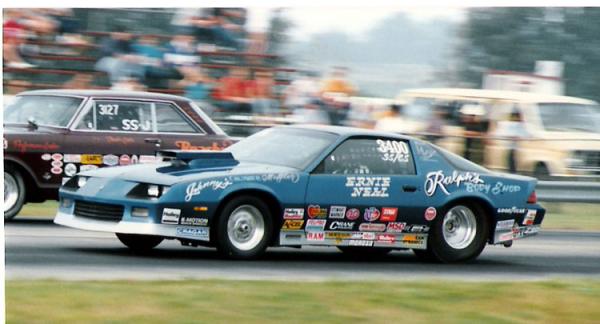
point(14, 193)
point(244, 228)
point(139, 243)
point(460, 235)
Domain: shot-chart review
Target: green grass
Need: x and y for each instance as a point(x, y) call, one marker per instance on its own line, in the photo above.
point(580, 217)
point(209, 301)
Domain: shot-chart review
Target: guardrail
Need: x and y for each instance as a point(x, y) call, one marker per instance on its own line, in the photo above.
point(568, 191)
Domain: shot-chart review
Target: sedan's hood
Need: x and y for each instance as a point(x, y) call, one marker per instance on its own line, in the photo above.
point(155, 173)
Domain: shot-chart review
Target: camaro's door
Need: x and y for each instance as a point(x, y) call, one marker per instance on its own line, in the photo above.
point(363, 185)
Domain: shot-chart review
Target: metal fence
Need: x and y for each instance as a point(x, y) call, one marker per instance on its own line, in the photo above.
point(568, 191)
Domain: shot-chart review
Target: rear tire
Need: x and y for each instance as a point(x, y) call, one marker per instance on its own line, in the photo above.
point(244, 228)
point(541, 171)
point(14, 192)
point(139, 243)
point(459, 236)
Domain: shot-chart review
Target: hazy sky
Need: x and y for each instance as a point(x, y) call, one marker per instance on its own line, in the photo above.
point(354, 21)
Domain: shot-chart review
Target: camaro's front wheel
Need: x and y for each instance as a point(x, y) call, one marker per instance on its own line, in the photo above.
point(460, 235)
point(14, 193)
point(139, 243)
point(244, 228)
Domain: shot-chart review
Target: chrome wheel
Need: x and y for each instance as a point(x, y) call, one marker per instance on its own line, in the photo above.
point(459, 227)
point(11, 191)
point(245, 227)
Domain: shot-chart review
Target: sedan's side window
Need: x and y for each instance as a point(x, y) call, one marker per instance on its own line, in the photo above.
point(370, 156)
point(169, 120)
point(116, 115)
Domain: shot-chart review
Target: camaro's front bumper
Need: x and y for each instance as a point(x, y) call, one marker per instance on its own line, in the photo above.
point(198, 233)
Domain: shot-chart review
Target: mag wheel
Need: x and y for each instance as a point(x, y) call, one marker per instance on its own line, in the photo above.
point(14, 193)
point(459, 236)
point(139, 243)
point(244, 228)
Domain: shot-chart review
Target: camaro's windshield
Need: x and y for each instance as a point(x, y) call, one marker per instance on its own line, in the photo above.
point(44, 110)
point(291, 147)
point(570, 117)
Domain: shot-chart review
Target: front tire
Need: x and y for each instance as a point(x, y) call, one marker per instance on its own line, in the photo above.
point(139, 243)
point(459, 236)
point(14, 193)
point(244, 228)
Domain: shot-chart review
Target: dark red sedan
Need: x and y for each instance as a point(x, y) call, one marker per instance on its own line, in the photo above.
point(50, 135)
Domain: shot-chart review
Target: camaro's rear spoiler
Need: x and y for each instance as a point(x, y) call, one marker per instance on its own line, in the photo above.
point(196, 159)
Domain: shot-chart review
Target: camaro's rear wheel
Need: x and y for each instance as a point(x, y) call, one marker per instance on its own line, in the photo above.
point(364, 251)
point(139, 243)
point(244, 228)
point(459, 236)
point(14, 193)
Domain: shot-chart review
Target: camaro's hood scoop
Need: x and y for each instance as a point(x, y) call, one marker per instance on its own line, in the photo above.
point(189, 160)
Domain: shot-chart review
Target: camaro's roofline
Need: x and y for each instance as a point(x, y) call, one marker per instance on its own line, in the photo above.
point(348, 131)
point(105, 93)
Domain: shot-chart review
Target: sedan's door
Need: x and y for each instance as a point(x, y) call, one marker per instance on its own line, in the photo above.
point(366, 184)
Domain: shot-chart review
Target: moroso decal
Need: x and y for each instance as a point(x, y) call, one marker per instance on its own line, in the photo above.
point(437, 180)
point(389, 214)
point(360, 243)
point(372, 214)
point(430, 213)
point(376, 187)
point(315, 211)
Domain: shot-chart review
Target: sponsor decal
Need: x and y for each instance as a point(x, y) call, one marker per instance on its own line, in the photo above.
point(366, 236)
point(315, 211)
point(386, 238)
point(393, 151)
point(124, 159)
point(430, 213)
point(337, 235)
point(370, 227)
point(88, 167)
point(417, 229)
point(64, 180)
point(500, 188)
point(532, 230)
point(353, 214)
point(437, 180)
point(193, 232)
point(292, 224)
point(315, 225)
point(505, 237)
point(23, 146)
point(530, 217)
point(120, 140)
point(195, 188)
point(424, 151)
point(341, 225)
point(389, 214)
point(412, 239)
point(72, 158)
point(91, 159)
point(148, 159)
point(315, 236)
point(293, 213)
point(505, 224)
point(376, 187)
point(196, 221)
point(511, 211)
point(337, 212)
point(110, 160)
point(134, 159)
point(294, 236)
point(57, 157)
point(56, 170)
point(395, 227)
point(170, 216)
point(371, 214)
point(46, 157)
point(360, 243)
point(56, 163)
point(187, 146)
point(70, 169)
point(292, 177)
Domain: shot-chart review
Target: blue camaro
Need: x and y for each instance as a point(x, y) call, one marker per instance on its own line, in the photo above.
point(362, 191)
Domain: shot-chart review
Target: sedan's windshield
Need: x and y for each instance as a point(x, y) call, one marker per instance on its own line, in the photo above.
point(295, 148)
point(570, 117)
point(43, 110)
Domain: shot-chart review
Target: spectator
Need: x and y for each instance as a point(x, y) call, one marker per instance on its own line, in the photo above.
point(393, 122)
point(206, 25)
point(262, 92)
point(513, 130)
point(334, 91)
point(435, 125)
point(311, 113)
point(80, 81)
point(117, 57)
point(474, 130)
point(150, 56)
point(67, 26)
point(14, 32)
point(301, 91)
point(128, 84)
point(337, 83)
point(196, 85)
point(235, 91)
point(181, 54)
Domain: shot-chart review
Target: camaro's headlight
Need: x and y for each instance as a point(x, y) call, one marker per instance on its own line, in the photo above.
point(148, 190)
point(153, 190)
point(81, 181)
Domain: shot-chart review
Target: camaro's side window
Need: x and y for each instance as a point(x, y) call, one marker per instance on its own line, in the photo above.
point(369, 156)
point(116, 115)
point(168, 120)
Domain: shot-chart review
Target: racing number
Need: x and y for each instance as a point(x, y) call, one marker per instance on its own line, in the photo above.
point(108, 110)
